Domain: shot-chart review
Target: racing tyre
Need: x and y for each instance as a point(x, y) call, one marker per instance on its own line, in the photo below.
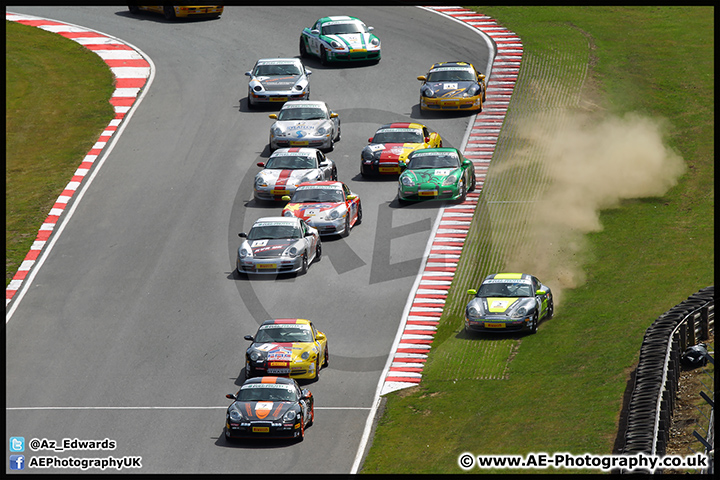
point(339, 133)
point(327, 356)
point(302, 430)
point(303, 50)
point(534, 326)
point(318, 251)
point(473, 185)
point(134, 9)
point(169, 12)
point(304, 268)
point(312, 416)
point(334, 174)
point(550, 310)
point(359, 215)
point(463, 192)
point(323, 57)
point(346, 233)
point(250, 105)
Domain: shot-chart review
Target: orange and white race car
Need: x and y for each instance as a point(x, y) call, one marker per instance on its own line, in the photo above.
point(391, 144)
point(329, 207)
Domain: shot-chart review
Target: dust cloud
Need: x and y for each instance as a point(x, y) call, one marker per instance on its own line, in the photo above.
point(589, 164)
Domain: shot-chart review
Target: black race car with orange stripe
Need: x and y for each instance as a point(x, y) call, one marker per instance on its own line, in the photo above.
point(269, 407)
point(392, 143)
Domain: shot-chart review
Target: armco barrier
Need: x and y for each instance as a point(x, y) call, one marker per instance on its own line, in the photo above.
point(656, 378)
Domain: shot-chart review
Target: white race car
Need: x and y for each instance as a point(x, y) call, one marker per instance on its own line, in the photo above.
point(288, 167)
point(305, 123)
point(278, 245)
point(277, 80)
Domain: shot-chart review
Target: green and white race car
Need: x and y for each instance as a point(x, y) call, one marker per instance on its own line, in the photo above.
point(436, 174)
point(340, 39)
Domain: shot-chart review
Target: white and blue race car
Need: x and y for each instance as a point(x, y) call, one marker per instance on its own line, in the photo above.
point(305, 123)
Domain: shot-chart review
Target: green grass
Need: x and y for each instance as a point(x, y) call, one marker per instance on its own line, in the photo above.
point(562, 389)
point(57, 105)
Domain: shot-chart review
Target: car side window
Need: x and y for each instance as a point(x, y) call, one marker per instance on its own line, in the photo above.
point(346, 189)
point(320, 157)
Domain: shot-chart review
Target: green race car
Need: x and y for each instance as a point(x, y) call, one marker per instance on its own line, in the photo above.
point(436, 174)
point(340, 39)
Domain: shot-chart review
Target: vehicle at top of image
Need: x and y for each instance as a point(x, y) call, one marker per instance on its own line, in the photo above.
point(286, 347)
point(305, 123)
point(330, 207)
point(452, 86)
point(288, 167)
point(276, 245)
point(181, 10)
point(340, 38)
point(508, 302)
point(435, 174)
point(391, 144)
point(277, 80)
point(269, 407)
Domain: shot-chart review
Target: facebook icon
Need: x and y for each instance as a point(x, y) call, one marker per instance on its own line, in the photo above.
point(17, 462)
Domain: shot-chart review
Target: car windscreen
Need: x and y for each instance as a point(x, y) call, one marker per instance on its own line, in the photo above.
point(291, 162)
point(267, 70)
point(342, 28)
point(262, 393)
point(309, 113)
point(398, 136)
point(435, 160)
point(451, 76)
point(318, 195)
point(505, 289)
point(274, 232)
point(283, 333)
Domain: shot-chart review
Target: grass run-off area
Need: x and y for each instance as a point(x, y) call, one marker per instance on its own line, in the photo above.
point(602, 186)
point(56, 94)
point(590, 74)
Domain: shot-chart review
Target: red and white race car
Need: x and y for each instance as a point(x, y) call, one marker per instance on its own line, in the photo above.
point(330, 207)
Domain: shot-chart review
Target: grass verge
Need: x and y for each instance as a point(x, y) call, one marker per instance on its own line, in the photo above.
point(643, 252)
point(56, 94)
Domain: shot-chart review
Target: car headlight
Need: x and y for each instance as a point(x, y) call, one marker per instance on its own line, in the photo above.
point(305, 355)
point(450, 180)
point(473, 90)
point(311, 177)
point(291, 252)
point(322, 130)
point(520, 312)
point(244, 252)
point(335, 214)
point(255, 356)
point(375, 42)
point(336, 45)
point(235, 414)
point(473, 312)
point(289, 416)
point(288, 213)
point(261, 182)
point(299, 86)
point(258, 88)
point(368, 155)
point(407, 181)
point(276, 131)
point(426, 91)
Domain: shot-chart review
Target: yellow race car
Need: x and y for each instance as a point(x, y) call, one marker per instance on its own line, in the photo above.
point(391, 144)
point(452, 86)
point(183, 10)
point(286, 347)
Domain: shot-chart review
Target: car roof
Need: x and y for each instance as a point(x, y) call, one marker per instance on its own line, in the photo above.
point(288, 220)
point(304, 103)
point(337, 18)
point(299, 150)
point(409, 125)
point(455, 63)
point(438, 149)
point(286, 321)
point(279, 60)
point(269, 379)
point(330, 183)
point(508, 276)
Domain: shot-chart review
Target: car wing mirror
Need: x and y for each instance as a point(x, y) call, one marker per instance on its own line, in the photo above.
point(333, 115)
point(540, 292)
point(242, 235)
point(261, 164)
point(249, 338)
point(231, 396)
point(315, 31)
point(273, 116)
point(472, 291)
point(285, 198)
point(352, 197)
point(422, 78)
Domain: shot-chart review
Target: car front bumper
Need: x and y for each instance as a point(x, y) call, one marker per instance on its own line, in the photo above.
point(462, 103)
point(262, 429)
point(320, 142)
point(416, 194)
point(269, 266)
point(499, 325)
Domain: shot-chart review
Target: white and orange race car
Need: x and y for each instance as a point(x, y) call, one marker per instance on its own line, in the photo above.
point(288, 167)
point(329, 207)
point(391, 144)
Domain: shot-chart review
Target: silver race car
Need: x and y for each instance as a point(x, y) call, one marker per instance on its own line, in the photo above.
point(278, 245)
point(305, 123)
point(288, 167)
point(277, 80)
